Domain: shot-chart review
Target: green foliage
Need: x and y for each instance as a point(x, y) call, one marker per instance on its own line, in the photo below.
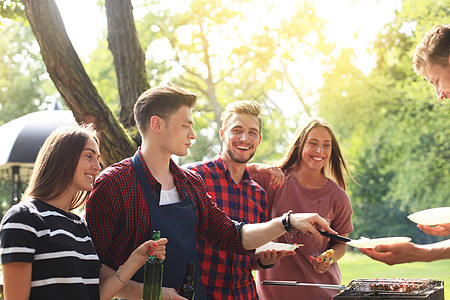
point(394, 131)
point(208, 51)
point(5, 196)
point(100, 68)
point(24, 84)
point(277, 135)
point(11, 9)
point(206, 144)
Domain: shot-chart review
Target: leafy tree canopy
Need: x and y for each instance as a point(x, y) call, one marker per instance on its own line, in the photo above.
point(394, 130)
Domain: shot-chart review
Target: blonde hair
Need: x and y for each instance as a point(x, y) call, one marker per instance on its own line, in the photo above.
point(241, 107)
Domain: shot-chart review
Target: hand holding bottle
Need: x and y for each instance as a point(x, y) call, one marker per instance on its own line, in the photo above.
point(153, 273)
point(121, 277)
point(150, 247)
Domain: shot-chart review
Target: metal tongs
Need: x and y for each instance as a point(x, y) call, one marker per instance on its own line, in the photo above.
point(296, 283)
point(335, 236)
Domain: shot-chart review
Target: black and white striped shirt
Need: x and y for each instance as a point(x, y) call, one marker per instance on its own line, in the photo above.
point(59, 246)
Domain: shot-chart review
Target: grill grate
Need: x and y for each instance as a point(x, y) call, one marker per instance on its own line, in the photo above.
point(393, 288)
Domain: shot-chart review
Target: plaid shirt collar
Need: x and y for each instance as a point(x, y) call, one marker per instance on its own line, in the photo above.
point(222, 166)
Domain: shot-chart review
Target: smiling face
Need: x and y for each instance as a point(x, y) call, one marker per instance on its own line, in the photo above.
point(87, 168)
point(177, 132)
point(439, 77)
point(240, 137)
point(317, 149)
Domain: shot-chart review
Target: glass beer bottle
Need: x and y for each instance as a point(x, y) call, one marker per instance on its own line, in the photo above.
point(187, 288)
point(153, 272)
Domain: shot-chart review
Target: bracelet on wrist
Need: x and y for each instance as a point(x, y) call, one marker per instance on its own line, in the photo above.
point(264, 267)
point(118, 277)
point(287, 221)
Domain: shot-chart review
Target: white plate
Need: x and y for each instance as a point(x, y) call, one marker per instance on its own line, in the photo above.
point(371, 243)
point(432, 216)
point(277, 247)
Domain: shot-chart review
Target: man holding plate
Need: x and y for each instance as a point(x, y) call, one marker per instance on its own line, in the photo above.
point(432, 60)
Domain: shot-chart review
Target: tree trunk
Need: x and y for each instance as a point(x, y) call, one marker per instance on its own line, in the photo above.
point(217, 109)
point(129, 59)
point(72, 81)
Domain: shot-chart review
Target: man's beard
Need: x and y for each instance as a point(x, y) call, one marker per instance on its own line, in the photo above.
point(235, 159)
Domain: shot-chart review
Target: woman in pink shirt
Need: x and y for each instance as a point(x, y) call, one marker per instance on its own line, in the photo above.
point(314, 171)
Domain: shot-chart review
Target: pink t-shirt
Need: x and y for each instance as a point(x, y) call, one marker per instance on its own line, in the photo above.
point(330, 202)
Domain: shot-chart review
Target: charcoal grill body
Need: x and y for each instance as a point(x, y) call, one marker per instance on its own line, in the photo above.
point(433, 291)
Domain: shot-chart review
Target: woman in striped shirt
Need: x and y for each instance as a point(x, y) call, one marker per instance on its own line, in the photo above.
point(47, 251)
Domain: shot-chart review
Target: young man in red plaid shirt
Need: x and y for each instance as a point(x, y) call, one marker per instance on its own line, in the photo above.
point(150, 192)
point(227, 275)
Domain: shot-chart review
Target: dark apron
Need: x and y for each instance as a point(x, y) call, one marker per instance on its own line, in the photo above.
point(176, 222)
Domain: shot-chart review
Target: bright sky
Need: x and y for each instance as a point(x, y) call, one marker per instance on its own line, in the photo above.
point(350, 23)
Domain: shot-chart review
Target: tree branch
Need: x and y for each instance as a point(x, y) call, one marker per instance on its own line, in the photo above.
point(297, 93)
point(194, 85)
point(232, 70)
point(177, 58)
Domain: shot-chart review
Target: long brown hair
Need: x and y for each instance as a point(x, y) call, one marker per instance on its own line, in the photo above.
point(334, 168)
point(56, 163)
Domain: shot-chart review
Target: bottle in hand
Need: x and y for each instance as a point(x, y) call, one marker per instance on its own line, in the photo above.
point(153, 274)
point(187, 288)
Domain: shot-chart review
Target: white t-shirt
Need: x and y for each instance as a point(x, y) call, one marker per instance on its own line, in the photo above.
point(169, 196)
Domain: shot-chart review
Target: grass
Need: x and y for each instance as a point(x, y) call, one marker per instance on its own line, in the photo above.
point(355, 265)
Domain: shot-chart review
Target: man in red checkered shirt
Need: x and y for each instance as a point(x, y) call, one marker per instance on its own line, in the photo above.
point(227, 275)
point(150, 192)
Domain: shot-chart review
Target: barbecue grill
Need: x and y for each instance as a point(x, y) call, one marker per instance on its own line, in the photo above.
point(390, 288)
point(393, 289)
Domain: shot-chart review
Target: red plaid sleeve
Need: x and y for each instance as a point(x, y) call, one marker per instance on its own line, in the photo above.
point(117, 214)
